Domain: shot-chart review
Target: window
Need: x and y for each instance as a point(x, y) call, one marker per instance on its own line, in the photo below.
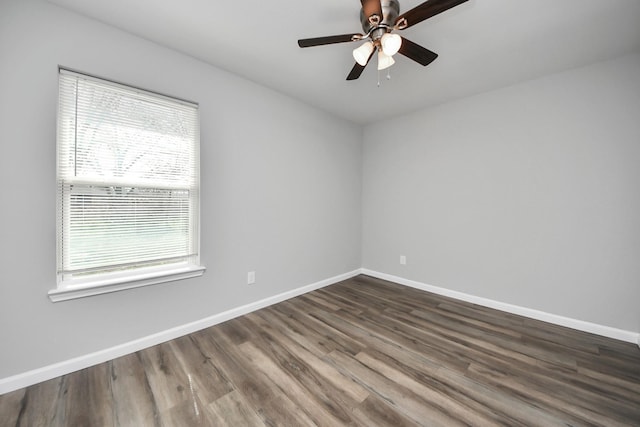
point(127, 187)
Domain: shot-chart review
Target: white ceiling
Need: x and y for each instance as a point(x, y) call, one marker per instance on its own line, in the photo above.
point(483, 45)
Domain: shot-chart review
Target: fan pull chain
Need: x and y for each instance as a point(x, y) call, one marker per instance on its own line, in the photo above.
point(388, 76)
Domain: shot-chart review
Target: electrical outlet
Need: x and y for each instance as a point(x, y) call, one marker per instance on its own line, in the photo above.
point(403, 260)
point(251, 277)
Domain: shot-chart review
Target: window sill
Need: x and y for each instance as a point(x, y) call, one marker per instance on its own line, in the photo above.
point(84, 288)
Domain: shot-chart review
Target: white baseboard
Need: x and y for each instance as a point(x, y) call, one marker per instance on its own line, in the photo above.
point(580, 325)
point(65, 367)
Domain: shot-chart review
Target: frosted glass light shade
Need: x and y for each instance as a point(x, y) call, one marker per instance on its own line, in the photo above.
point(390, 43)
point(384, 61)
point(362, 53)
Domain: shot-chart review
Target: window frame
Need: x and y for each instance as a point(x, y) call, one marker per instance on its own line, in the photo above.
point(71, 287)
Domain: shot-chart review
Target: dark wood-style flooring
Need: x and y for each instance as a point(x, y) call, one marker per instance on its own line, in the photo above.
point(363, 352)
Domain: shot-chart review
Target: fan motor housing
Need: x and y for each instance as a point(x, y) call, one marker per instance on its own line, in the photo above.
point(390, 12)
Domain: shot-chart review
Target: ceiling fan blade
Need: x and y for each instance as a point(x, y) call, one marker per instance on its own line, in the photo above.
point(426, 10)
point(357, 69)
point(416, 52)
point(319, 41)
point(372, 7)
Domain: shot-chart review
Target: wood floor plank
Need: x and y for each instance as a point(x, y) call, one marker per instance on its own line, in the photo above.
point(88, 397)
point(403, 304)
point(168, 382)
point(312, 404)
point(619, 386)
point(433, 395)
point(436, 349)
point(8, 404)
point(273, 408)
point(133, 400)
point(397, 397)
point(317, 373)
point(290, 327)
point(412, 365)
point(41, 404)
point(510, 408)
point(192, 413)
point(362, 352)
point(205, 379)
point(320, 302)
point(375, 412)
point(554, 399)
point(486, 341)
point(330, 339)
point(232, 410)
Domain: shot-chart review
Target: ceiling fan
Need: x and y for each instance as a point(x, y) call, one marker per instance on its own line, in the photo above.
point(379, 19)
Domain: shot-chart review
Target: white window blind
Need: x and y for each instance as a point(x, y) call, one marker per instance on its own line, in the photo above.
point(128, 182)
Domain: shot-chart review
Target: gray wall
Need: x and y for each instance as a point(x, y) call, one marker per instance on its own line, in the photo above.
point(281, 187)
point(529, 195)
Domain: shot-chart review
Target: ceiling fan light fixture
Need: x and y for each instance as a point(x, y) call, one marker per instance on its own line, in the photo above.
point(362, 53)
point(390, 43)
point(379, 20)
point(384, 61)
